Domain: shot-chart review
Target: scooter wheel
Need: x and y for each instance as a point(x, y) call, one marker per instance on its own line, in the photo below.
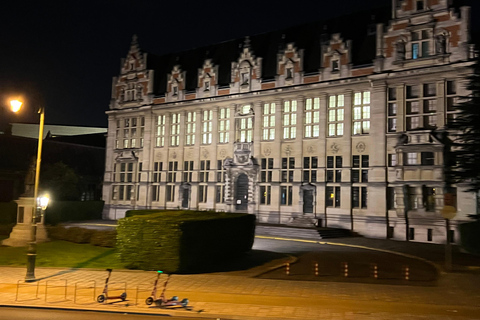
point(149, 301)
point(123, 296)
point(101, 298)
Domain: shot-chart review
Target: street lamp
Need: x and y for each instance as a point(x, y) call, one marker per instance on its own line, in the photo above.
point(15, 105)
point(39, 205)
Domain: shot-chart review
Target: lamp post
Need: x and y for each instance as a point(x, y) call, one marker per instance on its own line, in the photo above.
point(32, 245)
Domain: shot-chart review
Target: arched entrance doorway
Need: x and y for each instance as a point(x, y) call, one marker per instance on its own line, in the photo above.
point(241, 192)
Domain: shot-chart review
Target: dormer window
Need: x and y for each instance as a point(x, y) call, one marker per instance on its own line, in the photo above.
point(420, 5)
point(207, 85)
point(132, 64)
point(130, 92)
point(289, 73)
point(245, 78)
point(335, 65)
point(420, 44)
point(175, 90)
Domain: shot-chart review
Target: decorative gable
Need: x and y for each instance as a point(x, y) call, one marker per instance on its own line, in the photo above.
point(207, 79)
point(426, 32)
point(337, 56)
point(290, 65)
point(133, 85)
point(176, 84)
point(135, 58)
point(247, 71)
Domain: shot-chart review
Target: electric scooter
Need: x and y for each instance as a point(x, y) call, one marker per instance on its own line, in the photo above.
point(104, 295)
point(163, 302)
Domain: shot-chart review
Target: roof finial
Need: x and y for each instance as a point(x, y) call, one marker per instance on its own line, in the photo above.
point(246, 43)
point(134, 39)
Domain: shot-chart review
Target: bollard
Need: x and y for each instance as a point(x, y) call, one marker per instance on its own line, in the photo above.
point(374, 271)
point(406, 272)
point(345, 269)
point(316, 269)
point(287, 269)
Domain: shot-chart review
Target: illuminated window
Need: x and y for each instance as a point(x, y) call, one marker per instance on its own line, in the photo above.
point(289, 119)
point(265, 195)
point(361, 113)
point(207, 127)
point(332, 197)
point(175, 130)
point(160, 131)
point(312, 117)
point(190, 127)
point(223, 125)
point(335, 115)
point(245, 125)
point(420, 44)
point(268, 121)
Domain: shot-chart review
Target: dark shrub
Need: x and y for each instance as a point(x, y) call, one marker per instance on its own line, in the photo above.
point(182, 241)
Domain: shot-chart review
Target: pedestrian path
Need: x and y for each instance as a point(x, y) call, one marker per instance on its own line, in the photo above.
point(233, 296)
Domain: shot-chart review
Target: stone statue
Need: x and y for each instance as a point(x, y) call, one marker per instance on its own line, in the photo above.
point(30, 179)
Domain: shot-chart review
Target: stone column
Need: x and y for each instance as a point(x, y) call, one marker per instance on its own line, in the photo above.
point(377, 175)
point(147, 156)
point(109, 160)
point(257, 128)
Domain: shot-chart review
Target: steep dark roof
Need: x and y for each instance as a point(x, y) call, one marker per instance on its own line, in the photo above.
point(358, 27)
point(92, 140)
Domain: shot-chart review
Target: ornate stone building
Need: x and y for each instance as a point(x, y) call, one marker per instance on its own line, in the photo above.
point(323, 123)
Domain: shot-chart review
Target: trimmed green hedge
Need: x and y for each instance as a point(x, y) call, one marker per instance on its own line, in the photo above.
point(62, 211)
point(182, 241)
point(8, 212)
point(101, 238)
point(470, 236)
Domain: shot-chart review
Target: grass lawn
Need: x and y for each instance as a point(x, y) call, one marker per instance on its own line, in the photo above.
point(63, 254)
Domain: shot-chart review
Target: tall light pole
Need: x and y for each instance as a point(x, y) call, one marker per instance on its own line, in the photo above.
point(32, 245)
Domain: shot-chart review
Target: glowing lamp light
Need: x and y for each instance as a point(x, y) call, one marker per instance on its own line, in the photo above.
point(16, 105)
point(159, 271)
point(42, 201)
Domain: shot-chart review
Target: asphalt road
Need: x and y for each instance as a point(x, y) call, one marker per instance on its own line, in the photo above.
point(330, 262)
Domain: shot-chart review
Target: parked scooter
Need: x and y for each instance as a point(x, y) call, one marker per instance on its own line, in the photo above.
point(163, 302)
point(104, 295)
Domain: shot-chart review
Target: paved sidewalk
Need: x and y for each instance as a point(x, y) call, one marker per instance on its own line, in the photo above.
point(235, 296)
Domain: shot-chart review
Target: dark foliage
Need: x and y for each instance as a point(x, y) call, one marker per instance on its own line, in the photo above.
point(463, 164)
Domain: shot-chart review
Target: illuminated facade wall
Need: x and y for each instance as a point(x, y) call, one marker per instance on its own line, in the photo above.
point(350, 145)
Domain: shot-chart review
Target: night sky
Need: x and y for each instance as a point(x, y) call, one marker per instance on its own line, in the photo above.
point(63, 54)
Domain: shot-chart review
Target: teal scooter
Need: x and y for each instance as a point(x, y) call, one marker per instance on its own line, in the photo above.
point(161, 301)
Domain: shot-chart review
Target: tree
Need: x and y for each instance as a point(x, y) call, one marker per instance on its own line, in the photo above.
point(62, 182)
point(463, 158)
